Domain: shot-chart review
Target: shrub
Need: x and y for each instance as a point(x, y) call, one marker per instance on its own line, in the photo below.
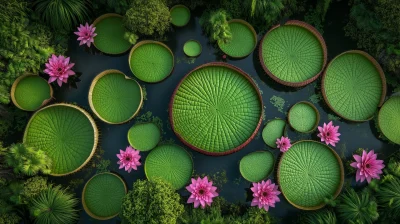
point(215, 25)
point(151, 202)
point(33, 187)
point(324, 216)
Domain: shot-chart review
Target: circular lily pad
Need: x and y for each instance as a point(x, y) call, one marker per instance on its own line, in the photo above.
point(273, 130)
point(144, 137)
point(110, 34)
point(303, 117)
point(293, 54)
point(151, 61)
point(114, 97)
point(67, 133)
point(216, 109)
point(170, 163)
point(256, 166)
point(308, 173)
point(102, 196)
point(244, 39)
point(30, 92)
point(192, 48)
point(180, 15)
point(389, 119)
point(354, 86)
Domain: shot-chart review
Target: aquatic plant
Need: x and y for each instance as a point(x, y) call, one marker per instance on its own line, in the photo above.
point(202, 192)
point(256, 166)
point(215, 25)
point(33, 187)
point(388, 197)
point(59, 68)
point(129, 159)
point(368, 167)
point(324, 216)
point(265, 194)
point(329, 133)
point(283, 143)
point(86, 34)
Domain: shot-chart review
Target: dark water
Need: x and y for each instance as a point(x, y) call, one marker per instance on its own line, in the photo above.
point(113, 137)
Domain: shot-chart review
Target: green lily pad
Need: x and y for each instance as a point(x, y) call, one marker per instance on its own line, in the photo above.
point(256, 166)
point(273, 130)
point(30, 92)
point(192, 48)
point(110, 34)
point(389, 119)
point(303, 117)
point(180, 15)
point(114, 97)
point(310, 172)
point(102, 196)
point(151, 61)
point(66, 133)
point(244, 39)
point(216, 109)
point(354, 86)
point(144, 137)
point(170, 163)
point(293, 54)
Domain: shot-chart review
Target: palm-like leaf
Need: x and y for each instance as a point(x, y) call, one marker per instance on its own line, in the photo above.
point(388, 197)
point(325, 216)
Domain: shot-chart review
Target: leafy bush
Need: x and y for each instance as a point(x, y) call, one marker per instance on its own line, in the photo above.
point(7, 215)
point(151, 202)
point(33, 187)
point(324, 216)
point(54, 205)
point(215, 25)
point(12, 120)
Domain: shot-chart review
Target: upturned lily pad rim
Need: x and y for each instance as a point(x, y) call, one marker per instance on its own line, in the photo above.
point(378, 68)
point(319, 38)
point(316, 112)
point(180, 6)
point(99, 19)
point(83, 196)
point(14, 88)
point(249, 79)
point(92, 122)
point(140, 123)
point(193, 40)
point(250, 27)
point(258, 151)
point(143, 42)
point(379, 118)
point(93, 84)
point(283, 131)
point(341, 177)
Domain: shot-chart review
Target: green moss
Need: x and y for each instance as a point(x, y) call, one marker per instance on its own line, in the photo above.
point(332, 117)
point(315, 98)
point(218, 178)
point(277, 102)
point(103, 166)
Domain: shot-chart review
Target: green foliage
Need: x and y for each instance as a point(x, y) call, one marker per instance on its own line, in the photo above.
point(131, 37)
point(7, 216)
point(215, 25)
point(388, 197)
point(268, 11)
point(324, 216)
point(28, 160)
point(65, 14)
point(152, 202)
point(394, 167)
point(357, 208)
point(107, 6)
point(54, 205)
point(33, 187)
point(148, 17)
point(12, 120)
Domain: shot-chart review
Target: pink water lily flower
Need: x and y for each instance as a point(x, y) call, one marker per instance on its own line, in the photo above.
point(86, 34)
point(368, 167)
point(129, 159)
point(202, 192)
point(329, 134)
point(283, 143)
point(59, 68)
point(265, 194)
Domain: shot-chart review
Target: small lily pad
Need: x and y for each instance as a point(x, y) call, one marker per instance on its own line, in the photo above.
point(256, 166)
point(144, 137)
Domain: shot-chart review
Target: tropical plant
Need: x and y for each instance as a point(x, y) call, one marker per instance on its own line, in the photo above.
point(54, 205)
point(324, 216)
point(12, 120)
point(116, 6)
point(27, 160)
point(62, 14)
point(7, 215)
point(151, 202)
point(267, 10)
point(357, 208)
point(215, 25)
point(388, 197)
point(149, 17)
point(32, 187)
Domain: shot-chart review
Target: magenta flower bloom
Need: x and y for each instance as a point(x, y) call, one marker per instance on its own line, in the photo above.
point(86, 34)
point(202, 192)
point(368, 167)
point(59, 69)
point(129, 159)
point(283, 143)
point(265, 194)
point(329, 134)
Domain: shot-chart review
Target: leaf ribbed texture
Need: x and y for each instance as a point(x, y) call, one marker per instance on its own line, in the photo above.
point(242, 43)
point(151, 62)
point(308, 173)
point(170, 163)
point(389, 119)
point(292, 53)
point(144, 137)
point(110, 36)
point(353, 86)
point(256, 166)
point(64, 133)
point(273, 129)
point(303, 117)
point(180, 15)
point(103, 195)
point(31, 91)
point(192, 48)
point(216, 109)
point(115, 98)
